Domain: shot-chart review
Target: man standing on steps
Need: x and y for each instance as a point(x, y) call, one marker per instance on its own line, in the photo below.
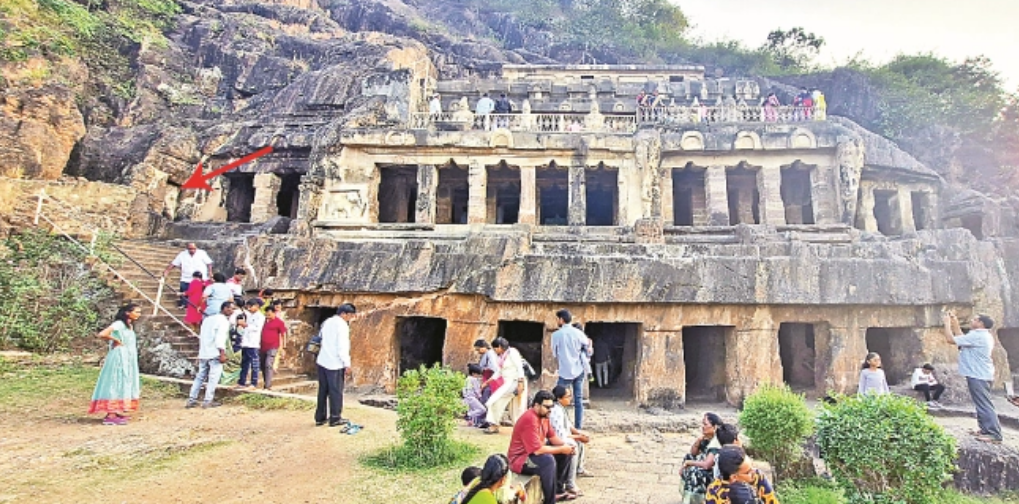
point(211, 355)
point(976, 365)
point(569, 347)
point(189, 261)
point(333, 364)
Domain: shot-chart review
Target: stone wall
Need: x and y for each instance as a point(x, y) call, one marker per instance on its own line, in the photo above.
point(80, 206)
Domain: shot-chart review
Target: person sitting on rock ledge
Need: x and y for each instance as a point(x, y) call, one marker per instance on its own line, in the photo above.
point(698, 465)
point(738, 481)
point(536, 450)
point(923, 380)
point(728, 435)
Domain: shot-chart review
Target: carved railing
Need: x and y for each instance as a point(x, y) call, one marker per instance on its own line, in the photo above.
point(682, 114)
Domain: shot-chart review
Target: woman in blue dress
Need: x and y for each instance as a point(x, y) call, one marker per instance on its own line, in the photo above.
point(119, 386)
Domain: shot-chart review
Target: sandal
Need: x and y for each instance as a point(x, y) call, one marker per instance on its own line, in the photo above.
point(491, 430)
point(565, 497)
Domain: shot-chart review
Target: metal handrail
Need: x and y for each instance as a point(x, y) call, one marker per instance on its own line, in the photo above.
point(157, 307)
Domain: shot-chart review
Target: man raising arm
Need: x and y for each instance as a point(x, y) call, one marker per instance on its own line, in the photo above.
point(976, 365)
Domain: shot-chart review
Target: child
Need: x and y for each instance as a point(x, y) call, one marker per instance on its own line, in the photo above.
point(872, 378)
point(924, 381)
point(195, 307)
point(472, 397)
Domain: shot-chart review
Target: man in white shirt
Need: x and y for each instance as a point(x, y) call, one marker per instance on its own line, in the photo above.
point(235, 284)
point(251, 341)
point(435, 107)
point(211, 355)
point(485, 107)
point(333, 364)
point(560, 422)
point(189, 261)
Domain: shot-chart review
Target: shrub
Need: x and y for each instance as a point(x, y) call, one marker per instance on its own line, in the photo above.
point(812, 491)
point(428, 406)
point(777, 421)
point(885, 448)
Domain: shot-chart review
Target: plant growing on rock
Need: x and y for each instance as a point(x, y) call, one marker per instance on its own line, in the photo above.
point(777, 421)
point(885, 448)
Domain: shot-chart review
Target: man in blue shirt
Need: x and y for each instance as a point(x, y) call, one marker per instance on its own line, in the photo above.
point(976, 365)
point(568, 347)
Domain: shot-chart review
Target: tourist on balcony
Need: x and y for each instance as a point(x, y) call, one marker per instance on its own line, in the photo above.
point(502, 108)
point(190, 260)
point(976, 365)
point(211, 355)
point(333, 364)
point(270, 349)
point(195, 307)
point(510, 389)
point(489, 364)
point(536, 450)
point(484, 110)
point(118, 388)
point(872, 377)
point(699, 465)
point(214, 295)
point(435, 107)
point(569, 347)
point(820, 106)
point(771, 105)
point(472, 397)
point(804, 103)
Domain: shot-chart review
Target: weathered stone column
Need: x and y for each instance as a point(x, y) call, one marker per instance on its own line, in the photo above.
point(866, 219)
point(577, 215)
point(905, 198)
point(308, 204)
point(717, 196)
point(477, 204)
point(528, 195)
point(752, 358)
point(769, 188)
point(661, 374)
point(846, 345)
point(267, 186)
point(823, 195)
point(428, 183)
point(668, 212)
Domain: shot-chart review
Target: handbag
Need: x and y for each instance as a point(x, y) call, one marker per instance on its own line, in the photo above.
point(314, 344)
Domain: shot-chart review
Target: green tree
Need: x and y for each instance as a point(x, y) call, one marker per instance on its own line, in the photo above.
point(793, 49)
point(777, 421)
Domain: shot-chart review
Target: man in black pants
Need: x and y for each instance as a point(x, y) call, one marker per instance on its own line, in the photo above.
point(924, 381)
point(333, 364)
point(536, 450)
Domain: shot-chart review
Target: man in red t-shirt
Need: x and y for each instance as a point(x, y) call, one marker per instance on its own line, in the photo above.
point(536, 450)
point(273, 338)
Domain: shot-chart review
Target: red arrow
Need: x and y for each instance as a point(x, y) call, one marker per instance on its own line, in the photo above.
point(199, 181)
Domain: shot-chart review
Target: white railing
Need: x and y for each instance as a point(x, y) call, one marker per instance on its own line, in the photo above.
point(682, 114)
point(90, 250)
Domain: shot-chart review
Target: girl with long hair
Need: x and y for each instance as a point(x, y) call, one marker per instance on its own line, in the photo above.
point(119, 386)
point(493, 477)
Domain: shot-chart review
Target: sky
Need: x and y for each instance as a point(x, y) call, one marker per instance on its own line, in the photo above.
point(877, 29)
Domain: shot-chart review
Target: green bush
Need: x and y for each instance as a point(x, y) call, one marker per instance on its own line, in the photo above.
point(885, 448)
point(427, 409)
point(777, 421)
point(813, 491)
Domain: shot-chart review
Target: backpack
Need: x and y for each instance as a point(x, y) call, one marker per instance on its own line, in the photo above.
point(529, 371)
point(314, 344)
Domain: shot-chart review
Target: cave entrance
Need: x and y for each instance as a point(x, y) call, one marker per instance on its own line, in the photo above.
point(240, 196)
point(398, 190)
point(898, 347)
point(452, 194)
point(503, 194)
point(616, 353)
point(886, 212)
point(744, 199)
point(553, 196)
point(796, 347)
point(528, 338)
point(602, 196)
point(704, 355)
point(289, 195)
point(796, 195)
point(1010, 341)
point(975, 225)
point(689, 203)
point(420, 341)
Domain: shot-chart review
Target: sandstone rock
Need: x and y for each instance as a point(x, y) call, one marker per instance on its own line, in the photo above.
point(38, 130)
point(987, 469)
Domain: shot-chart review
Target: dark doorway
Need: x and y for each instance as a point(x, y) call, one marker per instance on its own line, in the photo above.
point(452, 195)
point(921, 203)
point(421, 340)
point(602, 196)
point(553, 196)
point(797, 349)
point(503, 194)
point(289, 196)
point(240, 195)
point(899, 349)
point(398, 189)
point(886, 212)
point(796, 197)
point(744, 199)
point(704, 355)
point(1010, 341)
point(975, 225)
point(689, 203)
point(618, 343)
point(527, 337)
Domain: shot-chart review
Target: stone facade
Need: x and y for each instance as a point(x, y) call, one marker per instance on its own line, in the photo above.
point(713, 255)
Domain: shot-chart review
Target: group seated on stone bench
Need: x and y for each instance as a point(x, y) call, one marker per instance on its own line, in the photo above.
point(495, 484)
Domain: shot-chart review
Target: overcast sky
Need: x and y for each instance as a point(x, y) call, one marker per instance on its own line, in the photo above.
point(879, 29)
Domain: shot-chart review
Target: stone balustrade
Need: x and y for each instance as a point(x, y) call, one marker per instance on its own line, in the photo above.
point(693, 114)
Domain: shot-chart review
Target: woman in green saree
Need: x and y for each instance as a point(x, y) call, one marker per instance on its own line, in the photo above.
point(119, 386)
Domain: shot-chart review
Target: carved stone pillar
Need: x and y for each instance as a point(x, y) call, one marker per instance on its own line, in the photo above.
point(528, 195)
point(866, 219)
point(668, 213)
point(769, 187)
point(648, 157)
point(428, 183)
point(307, 204)
point(477, 204)
point(717, 195)
point(905, 209)
point(577, 214)
point(850, 160)
point(267, 186)
point(823, 195)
